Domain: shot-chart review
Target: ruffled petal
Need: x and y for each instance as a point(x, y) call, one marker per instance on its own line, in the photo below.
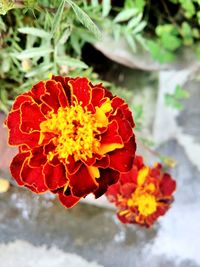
point(81, 90)
point(16, 166)
point(97, 95)
point(21, 99)
point(28, 123)
point(82, 182)
point(37, 158)
point(55, 176)
point(73, 166)
point(167, 185)
point(110, 140)
point(125, 128)
point(68, 201)
point(122, 159)
point(33, 177)
point(107, 177)
point(16, 137)
point(66, 87)
point(51, 96)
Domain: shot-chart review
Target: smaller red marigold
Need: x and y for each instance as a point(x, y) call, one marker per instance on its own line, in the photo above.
point(142, 194)
point(74, 138)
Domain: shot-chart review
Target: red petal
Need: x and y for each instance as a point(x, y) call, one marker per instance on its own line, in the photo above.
point(167, 185)
point(125, 129)
point(127, 189)
point(38, 90)
point(16, 166)
point(111, 135)
point(118, 103)
point(122, 159)
point(31, 117)
point(55, 176)
point(97, 95)
point(68, 201)
point(64, 82)
point(50, 98)
point(103, 163)
point(138, 161)
point(16, 137)
point(33, 177)
point(129, 177)
point(73, 166)
point(107, 177)
point(82, 183)
point(81, 89)
point(112, 192)
point(37, 158)
point(21, 99)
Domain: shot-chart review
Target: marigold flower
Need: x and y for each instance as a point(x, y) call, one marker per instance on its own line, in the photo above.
point(74, 138)
point(142, 194)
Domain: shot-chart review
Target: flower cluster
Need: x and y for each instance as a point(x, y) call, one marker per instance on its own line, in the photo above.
point(74, 138)
point(142, 194)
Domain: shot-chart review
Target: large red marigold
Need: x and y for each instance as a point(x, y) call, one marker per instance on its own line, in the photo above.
point(142, 194)
point(74, 138)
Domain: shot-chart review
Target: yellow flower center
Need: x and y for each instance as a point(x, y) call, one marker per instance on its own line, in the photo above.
point(76, 131)
point(145, 202)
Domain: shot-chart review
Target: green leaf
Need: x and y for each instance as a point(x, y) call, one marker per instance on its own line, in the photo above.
point(65, 36)
point(159, 53)
point(180, 93)
point(33, 52)
point(140, 27)
point(106, 7)
point(134, 21)
point(94, 3)
point(35, 32)
point(126, 14)
point(173, 102)
point(42, 68)
point(131, 41)
point(57, 17)
point(85, 19)
point(170, 42)
point(71, 62)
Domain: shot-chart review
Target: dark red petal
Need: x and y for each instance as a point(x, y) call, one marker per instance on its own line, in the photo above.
point(122, 219)
point(125, 130)
point(55, 176)
point(16, 166)
point(129, 177)
point(138, 161)
point(38, 90)
point(50, 98)
point(21, 99)
point(107, 177)
point(112, 192)
point(73, 166)
point(118, 103)
point(81, 90)
point(97, 95)
point(16, 137)
point(122, 159)
point(127, 189)
point(89, 161)
point(104, 162)
point(64, 82)
point(31, 117)
point(33, 177)
point(111, 135)
point(37, 158)
point(68, 201)
point(167, 185)
point(81, 182)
